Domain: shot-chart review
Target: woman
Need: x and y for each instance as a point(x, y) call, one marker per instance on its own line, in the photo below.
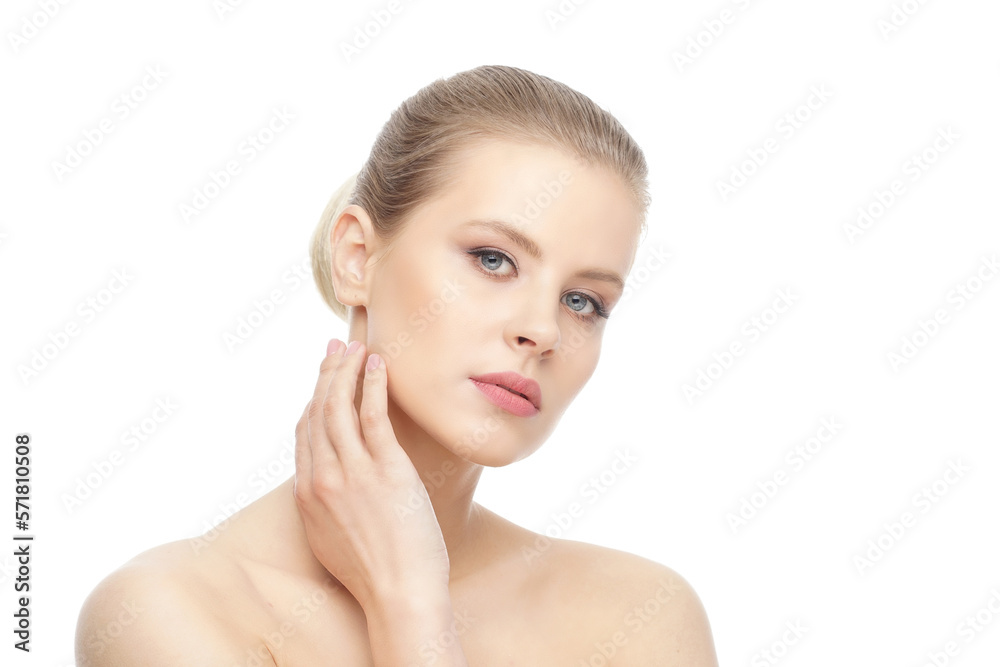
point(475, 258)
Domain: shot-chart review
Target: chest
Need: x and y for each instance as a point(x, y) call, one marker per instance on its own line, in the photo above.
point(322, 627)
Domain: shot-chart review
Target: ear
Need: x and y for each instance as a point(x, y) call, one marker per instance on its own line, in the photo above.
point(353, 244)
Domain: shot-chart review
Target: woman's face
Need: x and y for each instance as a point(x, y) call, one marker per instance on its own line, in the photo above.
point(455, 296)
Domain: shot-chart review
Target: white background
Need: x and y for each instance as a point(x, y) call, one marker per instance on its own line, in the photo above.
point(785, 228)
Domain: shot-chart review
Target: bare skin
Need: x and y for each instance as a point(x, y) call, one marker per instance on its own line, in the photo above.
point(257, 586)
point(258, 594)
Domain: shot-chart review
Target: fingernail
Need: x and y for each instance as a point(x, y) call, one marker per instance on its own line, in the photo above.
point(355, 344)
point(373, 361)
point(333, 346)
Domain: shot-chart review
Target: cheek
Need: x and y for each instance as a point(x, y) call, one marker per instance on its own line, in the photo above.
point(407, 304)
point(411, 322)
point(576, 360)
point(438, 307)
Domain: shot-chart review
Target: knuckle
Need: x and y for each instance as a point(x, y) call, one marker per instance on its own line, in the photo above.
point(329, 363)
point(398, 474)
point(329, 405)
point(368, 415)
point(325, 485)
point(301, 426)
point(302, 492)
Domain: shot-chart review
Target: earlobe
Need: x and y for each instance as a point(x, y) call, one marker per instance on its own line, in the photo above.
point(351, 244)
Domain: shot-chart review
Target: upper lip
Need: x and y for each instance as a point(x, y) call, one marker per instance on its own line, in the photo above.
point(516, 383)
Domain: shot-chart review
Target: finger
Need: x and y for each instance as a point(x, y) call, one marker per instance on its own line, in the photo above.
point(321, 453)
point(374, 412)
point(303, 455)
point(343, 430)
point(334, 353)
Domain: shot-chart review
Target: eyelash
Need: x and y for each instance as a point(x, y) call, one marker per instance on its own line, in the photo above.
point(479, 253)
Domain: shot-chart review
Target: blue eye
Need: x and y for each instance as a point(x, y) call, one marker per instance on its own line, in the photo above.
point(489, 261)
point(583, 302)
point(597, 310)
point(496, 258)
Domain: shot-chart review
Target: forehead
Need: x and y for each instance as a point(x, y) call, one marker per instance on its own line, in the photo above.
point(555, 199)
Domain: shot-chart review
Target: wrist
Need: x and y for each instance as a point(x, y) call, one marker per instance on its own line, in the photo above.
point(414, 627)
point(406, 591)
point(407, 602)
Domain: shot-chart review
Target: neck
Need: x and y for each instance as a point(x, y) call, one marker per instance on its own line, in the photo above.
point(450, 482)
point(462, 524)
point(449, 479)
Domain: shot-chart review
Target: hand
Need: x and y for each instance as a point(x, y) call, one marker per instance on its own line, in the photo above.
point(351, 480)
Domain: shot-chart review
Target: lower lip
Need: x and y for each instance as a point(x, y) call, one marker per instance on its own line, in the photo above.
point(511, 402)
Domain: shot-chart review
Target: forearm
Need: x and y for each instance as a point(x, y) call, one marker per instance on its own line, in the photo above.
point(414, 631)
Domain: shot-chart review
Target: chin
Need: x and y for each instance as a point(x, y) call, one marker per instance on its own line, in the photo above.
point(499, 440)
point(493, 457)
point(484, 435)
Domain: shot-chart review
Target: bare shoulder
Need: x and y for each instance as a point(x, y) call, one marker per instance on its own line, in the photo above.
point(627, 609)
point(155, 610)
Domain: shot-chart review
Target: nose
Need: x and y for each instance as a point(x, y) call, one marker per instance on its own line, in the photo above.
point(536, 324)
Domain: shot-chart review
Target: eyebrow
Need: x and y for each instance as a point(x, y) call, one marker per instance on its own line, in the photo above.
point(530, 247)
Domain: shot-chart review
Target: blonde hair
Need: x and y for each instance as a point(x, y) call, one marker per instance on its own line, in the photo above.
point(413, 155)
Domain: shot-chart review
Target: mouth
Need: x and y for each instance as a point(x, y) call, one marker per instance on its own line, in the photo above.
point(510, 391)
point(518, 393)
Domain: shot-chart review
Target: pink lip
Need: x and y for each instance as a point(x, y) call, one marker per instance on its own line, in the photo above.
point(510, 391)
